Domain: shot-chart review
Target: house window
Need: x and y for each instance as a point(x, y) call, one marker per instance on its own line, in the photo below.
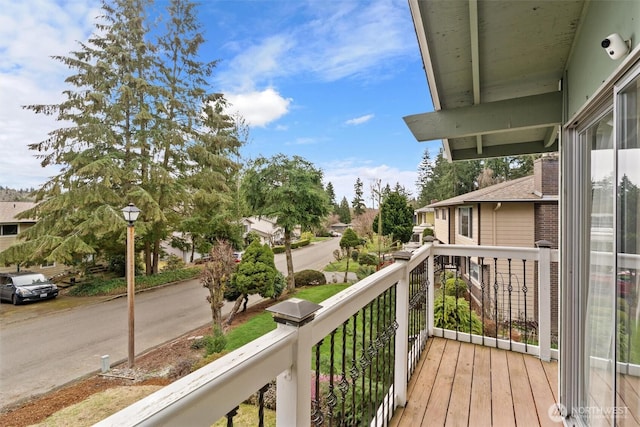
point(8, 229)
point(464, 225)
point(474, 271)
point(444, 213)
point(46, 264)
point(437, 213)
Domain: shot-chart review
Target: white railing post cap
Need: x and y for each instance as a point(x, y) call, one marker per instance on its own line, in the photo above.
point(402, 255)
point(543, 244)
point(294, 311)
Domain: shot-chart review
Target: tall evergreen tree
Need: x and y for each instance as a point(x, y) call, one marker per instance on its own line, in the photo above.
point(397, 217)
point(136, 110)
point(344, 212)
point(358, 198)
point(425, 175)
point(331, 193)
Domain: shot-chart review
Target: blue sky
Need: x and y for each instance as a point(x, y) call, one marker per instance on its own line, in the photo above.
point(328, 80)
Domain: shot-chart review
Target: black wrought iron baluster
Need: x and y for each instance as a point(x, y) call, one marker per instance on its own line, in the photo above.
point(232, 413)
point(261, 393)
point(509, 290)
point(385, 353)
point(392, 344)
point(495, 294)
point(354, 367)
point(364, 364)
point(343, 385)
point(526, 319)
point(316, 411)
point(377, 358)
point(370, 356)
point(332, 399)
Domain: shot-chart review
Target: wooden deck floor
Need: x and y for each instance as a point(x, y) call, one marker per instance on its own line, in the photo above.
point(461, 384)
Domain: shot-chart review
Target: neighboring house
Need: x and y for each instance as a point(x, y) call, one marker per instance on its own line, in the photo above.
point(515, 213)
point(10, 227)
point(512, 213)
point(518, 77)
point(422, 219)
point(339, 227)
point(269, 232)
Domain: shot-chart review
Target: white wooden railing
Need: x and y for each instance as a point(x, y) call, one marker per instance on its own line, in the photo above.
point(285, 354)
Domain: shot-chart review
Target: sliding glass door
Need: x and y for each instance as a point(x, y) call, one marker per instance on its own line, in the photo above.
point(608, 290)
point(627, 384)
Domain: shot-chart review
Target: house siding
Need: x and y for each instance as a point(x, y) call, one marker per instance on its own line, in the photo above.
point(441, 227)
point(459, 239)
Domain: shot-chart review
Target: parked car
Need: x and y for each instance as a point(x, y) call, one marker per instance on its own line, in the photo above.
point(26, 286)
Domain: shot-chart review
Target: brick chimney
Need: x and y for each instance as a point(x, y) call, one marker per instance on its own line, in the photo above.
point(546, 175)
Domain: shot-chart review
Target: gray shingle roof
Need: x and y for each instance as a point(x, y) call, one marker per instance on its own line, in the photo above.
point(516, 190)
point(9, 210)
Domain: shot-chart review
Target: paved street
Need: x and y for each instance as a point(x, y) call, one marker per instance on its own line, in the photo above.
point(41, 350)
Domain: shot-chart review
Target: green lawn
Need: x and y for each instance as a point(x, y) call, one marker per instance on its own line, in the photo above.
point(263, 323)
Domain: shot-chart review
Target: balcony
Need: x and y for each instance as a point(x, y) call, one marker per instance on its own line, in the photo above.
point(460, 384)
point(401, 346)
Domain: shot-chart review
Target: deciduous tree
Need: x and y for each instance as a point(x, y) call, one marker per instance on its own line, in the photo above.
point(289, 190)
point(215, 276)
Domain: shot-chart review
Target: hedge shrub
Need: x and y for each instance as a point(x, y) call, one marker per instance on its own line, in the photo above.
point(368, 259)
point(455, 287)
point(309, 278)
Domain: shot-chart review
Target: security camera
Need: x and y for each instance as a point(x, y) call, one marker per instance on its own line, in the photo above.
point(615, 46)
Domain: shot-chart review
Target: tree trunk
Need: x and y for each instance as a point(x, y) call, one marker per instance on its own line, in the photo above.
point(346, 272)
point(235, 309)
point(291, 283)
point(216, 299)
point(156, 256)
point(147, 258)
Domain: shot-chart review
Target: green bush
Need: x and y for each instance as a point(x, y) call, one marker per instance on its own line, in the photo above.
point(448, 315)
point(279, 283)
point(278, 249)
point(354, 255)
point(455, 287)
point(173, 263)
point(368, 259)
point(309, 278)
point(427, 232)
point(119, 286)
point(299, 244)
point(213, 344)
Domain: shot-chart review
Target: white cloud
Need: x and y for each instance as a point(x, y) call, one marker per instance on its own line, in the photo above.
point(255, 63)
point(259, 108)
point(344, 40)
point(344, 173)
point(359, 120)
point(30, 33)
